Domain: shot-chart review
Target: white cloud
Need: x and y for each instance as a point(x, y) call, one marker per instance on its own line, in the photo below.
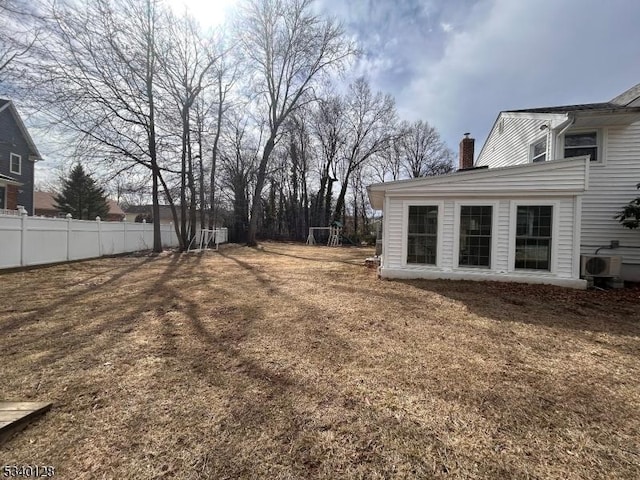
point(446, 27)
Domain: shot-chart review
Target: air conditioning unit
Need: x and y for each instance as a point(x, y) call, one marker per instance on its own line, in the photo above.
point(601, 266)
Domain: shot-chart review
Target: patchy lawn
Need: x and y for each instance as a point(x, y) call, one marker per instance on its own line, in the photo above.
point(297, 362)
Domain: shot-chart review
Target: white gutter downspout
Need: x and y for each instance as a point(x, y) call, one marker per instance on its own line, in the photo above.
point(565, 126)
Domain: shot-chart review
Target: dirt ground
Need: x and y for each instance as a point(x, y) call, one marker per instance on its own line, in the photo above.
point(291, 362)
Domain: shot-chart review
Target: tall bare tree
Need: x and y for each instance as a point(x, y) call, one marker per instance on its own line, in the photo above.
point(288, 47)
point(96, 75)
point(328, 126)
point(423, 151)
point(370, 129)
point(186, 59)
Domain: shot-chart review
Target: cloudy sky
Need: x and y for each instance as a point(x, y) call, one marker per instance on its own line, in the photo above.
point(457, 63)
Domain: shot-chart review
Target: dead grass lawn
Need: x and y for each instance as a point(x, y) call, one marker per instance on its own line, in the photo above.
point(297, 362)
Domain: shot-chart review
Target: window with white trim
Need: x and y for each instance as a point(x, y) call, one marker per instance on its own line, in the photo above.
point(475, 236)
point(422, 236)
point(15, 163)
point(539, 150)
point(581, 143)
point(533, 237)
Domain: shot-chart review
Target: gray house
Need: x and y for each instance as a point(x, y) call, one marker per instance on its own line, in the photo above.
point(18, 155)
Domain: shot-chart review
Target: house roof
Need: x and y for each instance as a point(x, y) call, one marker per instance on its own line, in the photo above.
point(627, 101)
point(558, 176)
point(5, 104)
point(165, 210)
point(586, 107)
point(45, 201)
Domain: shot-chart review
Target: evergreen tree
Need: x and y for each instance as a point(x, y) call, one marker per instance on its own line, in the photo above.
point(81, 197)
point(629, 216)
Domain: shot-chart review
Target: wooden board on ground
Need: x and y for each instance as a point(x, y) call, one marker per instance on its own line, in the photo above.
point(14, 416)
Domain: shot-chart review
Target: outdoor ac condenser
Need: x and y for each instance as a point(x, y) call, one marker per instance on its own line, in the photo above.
point(601, 266)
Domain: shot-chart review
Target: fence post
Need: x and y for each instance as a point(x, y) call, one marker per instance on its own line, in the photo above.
point(23, 238)
point(98, 221)
point(68, 216)
point(144, 232)
point(124, 244)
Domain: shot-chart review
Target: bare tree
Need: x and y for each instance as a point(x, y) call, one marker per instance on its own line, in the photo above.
point(225, 75)
point(370, 119)
point(21, 25)
point(96, 76)
point(288, 47)
point(423, 151)
point(328, 126)
point(238, 160)
point(186, 60)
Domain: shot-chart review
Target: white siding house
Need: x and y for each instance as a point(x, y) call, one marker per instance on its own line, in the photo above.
point(546, 187)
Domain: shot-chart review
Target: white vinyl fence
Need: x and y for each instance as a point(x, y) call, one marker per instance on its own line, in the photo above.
point(35, 240)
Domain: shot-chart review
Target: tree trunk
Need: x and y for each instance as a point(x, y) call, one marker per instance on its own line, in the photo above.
point(255, 208)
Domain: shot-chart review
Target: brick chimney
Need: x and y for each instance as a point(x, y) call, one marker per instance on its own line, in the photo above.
point(466, 152)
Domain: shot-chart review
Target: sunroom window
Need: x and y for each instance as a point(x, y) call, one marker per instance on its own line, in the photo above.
point(533, 237)
point(475, 236)
point(422, 238)
point(583, 143)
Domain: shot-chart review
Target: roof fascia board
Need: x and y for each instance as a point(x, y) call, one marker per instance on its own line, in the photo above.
point(535, 116)
point(23, 129)
point(489, 172)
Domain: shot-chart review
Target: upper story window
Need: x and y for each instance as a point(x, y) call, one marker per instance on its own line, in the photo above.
point(422, 238)
point(15, 165)
point(539, 150)
point(582, 143)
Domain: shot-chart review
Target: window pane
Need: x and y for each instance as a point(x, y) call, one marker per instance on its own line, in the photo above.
point(2, 193)
point(580, 151)
point(539, 148)
point(423, 219)
point(588, 139)
point(475, 236)
point(422, 236)
point(533, 237)
point(421, 249)
point(533, 254)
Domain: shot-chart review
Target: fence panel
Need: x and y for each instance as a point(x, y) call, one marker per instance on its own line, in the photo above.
point(35, 240)
point(83, 239)
point(44, 240)
point(10, 241)
point(112, 237)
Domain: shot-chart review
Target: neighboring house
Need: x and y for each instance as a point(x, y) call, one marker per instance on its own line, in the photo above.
point(45, 206)
point(166, 216)
point(134, 211)
point(543, 193)
point(18, 155)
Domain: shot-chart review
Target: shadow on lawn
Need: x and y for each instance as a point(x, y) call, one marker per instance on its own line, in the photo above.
point(356, 258)
point(545, 305)
point(79, 336)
